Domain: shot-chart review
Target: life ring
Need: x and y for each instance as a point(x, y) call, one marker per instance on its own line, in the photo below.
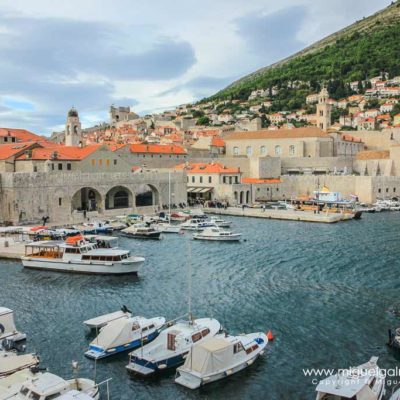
point(2, 329)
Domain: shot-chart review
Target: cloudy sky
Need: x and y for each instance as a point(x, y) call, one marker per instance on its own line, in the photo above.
point(150, 55)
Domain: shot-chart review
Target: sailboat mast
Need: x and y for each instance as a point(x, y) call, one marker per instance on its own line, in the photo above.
point(169, 195)
point(190, 281)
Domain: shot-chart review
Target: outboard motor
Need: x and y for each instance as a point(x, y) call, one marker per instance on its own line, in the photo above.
point(8, 345)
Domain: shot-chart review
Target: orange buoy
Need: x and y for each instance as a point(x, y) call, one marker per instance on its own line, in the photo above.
point(270, 336)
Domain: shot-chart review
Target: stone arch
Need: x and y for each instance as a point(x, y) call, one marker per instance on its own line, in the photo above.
point(247, 196)
point(235, 194)
point(86, 199)
point(147, 195)
point(118, 197)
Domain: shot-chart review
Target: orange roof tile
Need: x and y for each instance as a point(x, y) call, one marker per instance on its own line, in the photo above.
point(22, 135)
point(279, 134)
point(11, 150)
point(256, 180)
point(207, 168)
point(157, 148)
point(217, 142)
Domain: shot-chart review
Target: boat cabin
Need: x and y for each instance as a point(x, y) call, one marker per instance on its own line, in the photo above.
point(46, 387)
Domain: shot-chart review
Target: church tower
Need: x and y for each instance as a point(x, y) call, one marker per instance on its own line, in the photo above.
point(324, 110)
point(73, 134)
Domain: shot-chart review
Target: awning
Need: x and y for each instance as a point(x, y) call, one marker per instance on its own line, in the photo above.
point(199, 189)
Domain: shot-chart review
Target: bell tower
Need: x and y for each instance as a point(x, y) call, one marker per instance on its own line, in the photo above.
point(73, 134)
point(324, 110)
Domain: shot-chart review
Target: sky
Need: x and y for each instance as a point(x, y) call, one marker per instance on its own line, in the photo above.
point(150, 55)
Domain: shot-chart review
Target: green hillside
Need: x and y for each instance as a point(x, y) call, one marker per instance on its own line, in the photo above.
point(360, 51)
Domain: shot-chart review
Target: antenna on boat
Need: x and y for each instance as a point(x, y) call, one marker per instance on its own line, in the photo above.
point(190, 281)
point(169, 196)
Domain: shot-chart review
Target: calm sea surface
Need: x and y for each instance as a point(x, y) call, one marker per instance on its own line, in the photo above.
point(326, 291)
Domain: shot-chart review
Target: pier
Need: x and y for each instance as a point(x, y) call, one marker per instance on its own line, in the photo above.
point(288, 215)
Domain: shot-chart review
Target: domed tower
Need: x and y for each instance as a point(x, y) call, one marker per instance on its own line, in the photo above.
point(73, 134)
point(324, 110)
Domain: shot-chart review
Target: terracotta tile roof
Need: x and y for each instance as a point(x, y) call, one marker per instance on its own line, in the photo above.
point(373, 155)
point(217, 142)
point(157, 148)
point(255, 180)
point(61, 153)
point(22, 135)
point(207, 168)
point(278, 134)
point(349, 138)
point(13, 149)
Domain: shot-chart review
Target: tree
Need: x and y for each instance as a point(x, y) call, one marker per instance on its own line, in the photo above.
point(203, 121)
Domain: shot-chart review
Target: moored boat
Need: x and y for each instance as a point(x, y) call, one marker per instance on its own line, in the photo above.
point(217, 234)
point(11, 362)
point(8, 330)
point(141, 231)
point(365, 381)
point(219, 357)
point(170, 348)
point(124, 334)
point(103, 320)
point(220, 222)
point(79, 256)
point(195, 224)
point(165, 227)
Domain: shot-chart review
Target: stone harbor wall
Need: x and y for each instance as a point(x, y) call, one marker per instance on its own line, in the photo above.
point(69, 197)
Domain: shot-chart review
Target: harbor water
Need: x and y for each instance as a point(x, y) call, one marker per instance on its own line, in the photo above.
point(327, 292)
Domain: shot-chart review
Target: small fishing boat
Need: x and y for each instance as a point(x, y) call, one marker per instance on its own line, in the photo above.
point(195, 224)
point(11, 362)
point(165, 227)
point(8, 329)
point(141, 231)
point(367, 381)
point(49, 386)
point(219, 357)
point(103, 320)
point(124, 334)
point(171, 346)
point(220, 222)
point(79, 256)
point(217, 234)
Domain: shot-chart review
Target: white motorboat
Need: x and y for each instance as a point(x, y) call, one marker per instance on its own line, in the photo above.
point(123, 334)
point(11, 362)
point(103, 320)
point(170, 348)
point(94, 228)
point(49, 386)
point(141, 231)
point(195, 224)
point(217, 234)
point(165, 227)
point(78, 256)
point(219, 357)
point(11, 384)
point(8, 329)
point(220, 222)
point(367, 381)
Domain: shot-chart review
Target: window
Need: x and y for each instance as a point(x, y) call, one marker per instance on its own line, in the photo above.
point(108, 163)
point(394, 190)
point(60, 167)
point(205, 332)
point(209, 179)
point(236, 179)
point(291, 150)
point(379, 190)
point(387, 190)
point(35, 168)
point(193, 179)
point(60, 201)
point(237, 347)
point(224, 179)
point(52, 167)
point(201, 179)
point(115, 162)
point(93, 163)
point(249, 151)
point(236, 151)
point(196, 337)
point(100, 162)
point(263, 150)
point(69, 166)
point(278, 150)
point(230, 180)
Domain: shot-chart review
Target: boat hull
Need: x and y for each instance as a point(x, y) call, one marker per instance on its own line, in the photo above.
point(153, 235)
point(97, 353)
point(78, 267)
point(217, 239)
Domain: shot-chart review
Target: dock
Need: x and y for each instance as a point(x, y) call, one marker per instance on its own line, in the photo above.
point(11, 249)
point(287, 215)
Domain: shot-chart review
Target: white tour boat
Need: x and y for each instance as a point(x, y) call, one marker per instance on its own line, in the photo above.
point(77, 255)
point(165, 227)
point(366, 381)
point(8, 329)
point(141, 231)
point(49, 386)
point(11, 362)
point(172, 345)
point(219, 357)
point(220, 222)
point(217, 234)
point(124, 334)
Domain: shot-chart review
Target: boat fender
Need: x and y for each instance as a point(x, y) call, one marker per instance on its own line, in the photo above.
point(162, 366)
point(250, 362)
point(270, 335)
point(228, 372)
point(2, 329)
